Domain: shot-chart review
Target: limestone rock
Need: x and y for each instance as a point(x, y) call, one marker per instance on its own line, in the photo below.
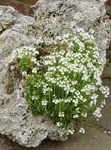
point(52, 17)
point(16, 121)
point(56, 17)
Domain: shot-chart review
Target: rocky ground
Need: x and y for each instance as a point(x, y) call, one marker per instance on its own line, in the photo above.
point(17, 30)
point(97, 137)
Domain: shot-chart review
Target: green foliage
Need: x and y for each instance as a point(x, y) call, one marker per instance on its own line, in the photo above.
point(66, 88)
point(25, 63)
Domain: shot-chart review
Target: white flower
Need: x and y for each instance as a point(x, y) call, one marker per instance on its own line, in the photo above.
point(84, 100)
point(33, 59)
point(55, 101)
point(104, 90)
point(71, 44)
point(97, 113)
point(75, 102)
point(70, 131)
point(59, 124)
point(34, 70)
point(61, 114)
point(33, 97)
point(94, 96)
point(44, 103)
point(76, 116)
point(24, 73)
point(85, 77)
point(68, 100)
point(84, 115)
point(81, 130)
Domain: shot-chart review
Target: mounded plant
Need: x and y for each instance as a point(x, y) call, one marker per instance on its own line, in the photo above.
point(65, 85)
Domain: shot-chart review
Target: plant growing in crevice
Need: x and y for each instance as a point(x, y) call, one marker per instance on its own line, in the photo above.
point(64, 85)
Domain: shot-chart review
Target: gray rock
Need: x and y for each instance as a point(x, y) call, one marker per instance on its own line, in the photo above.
point(94, 139)
point(56, 17)
point(16, 121)
point(52, 17)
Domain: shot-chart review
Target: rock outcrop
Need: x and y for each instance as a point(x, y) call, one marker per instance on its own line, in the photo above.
point(16, 121)
point(52, 18)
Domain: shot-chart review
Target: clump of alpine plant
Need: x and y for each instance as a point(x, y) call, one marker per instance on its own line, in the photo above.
point(66, 85)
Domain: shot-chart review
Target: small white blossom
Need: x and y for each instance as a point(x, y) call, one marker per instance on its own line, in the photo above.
point(84, 115)
point(34, 70)
point(61, 114)
point(33, 59)
point(70, 131)
point(76, 116)
point(55, 101)
point(44, 103)
point(97, 113)
point(104, 90)
point(24, 73)
point(59, 124)
point(85, 77)
point(82, 130)
point(75, 102)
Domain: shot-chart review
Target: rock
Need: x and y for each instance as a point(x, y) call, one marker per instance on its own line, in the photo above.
point(61, 16)
point(52, 18)
point(16, 121)
point(95, 138)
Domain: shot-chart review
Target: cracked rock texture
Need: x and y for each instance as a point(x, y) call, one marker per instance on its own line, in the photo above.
point(61, 16)
point(52, 18)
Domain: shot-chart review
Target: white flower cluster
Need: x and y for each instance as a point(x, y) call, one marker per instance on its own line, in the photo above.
point(76, 68)
point(71, 81)
point(31, 53)
point(25, 50)
point(97, 113)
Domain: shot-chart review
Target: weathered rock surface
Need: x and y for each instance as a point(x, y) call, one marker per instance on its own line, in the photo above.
point(94, 139)
point(52, 17)
point(16, 121)
point(61, 16)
